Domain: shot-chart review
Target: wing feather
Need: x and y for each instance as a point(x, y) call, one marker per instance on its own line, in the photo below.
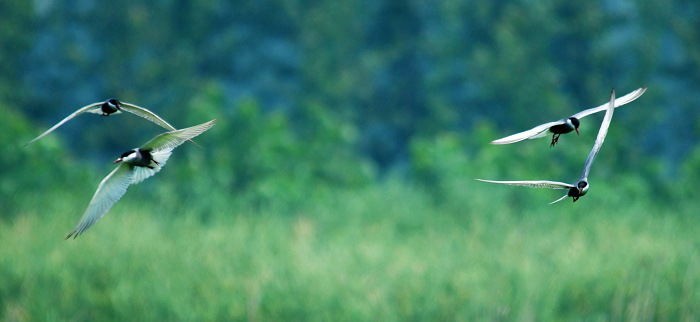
point(145, 113)
point(142, 112)
point(170, 140)
point(110, 190)
point(536, 132)
point(600, 138)
point(68, 118)
point(142, 173)
point(534, 183)
point(618, 102)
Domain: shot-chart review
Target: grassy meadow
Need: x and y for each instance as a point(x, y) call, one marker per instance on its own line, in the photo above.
point(393, 250)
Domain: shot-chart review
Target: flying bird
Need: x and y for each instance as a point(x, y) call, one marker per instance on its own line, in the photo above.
point(135, 166)
point(108, 107)
point(581, 187)
point(565, 125)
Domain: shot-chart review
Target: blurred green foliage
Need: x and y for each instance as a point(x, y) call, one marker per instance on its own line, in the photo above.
point(338, 183)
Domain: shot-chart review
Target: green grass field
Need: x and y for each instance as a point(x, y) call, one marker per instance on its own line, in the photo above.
point(390, 251)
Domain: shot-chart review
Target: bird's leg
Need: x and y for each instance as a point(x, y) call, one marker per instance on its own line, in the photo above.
point(154, 161)
point(576, 198)
point(555, 139)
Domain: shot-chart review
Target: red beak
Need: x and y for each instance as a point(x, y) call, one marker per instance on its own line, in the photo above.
point(117, 160)
point(579, 134)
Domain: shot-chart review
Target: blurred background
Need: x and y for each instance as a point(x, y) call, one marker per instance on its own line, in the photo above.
point(338, 184)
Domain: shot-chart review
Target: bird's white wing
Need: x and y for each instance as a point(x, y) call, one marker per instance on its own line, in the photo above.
point(534, 184)
point(162, 146)
point(89, 108)
point(111, 189)
point(170, 140)
point(536, 132)
point(600, 138)
point(142, 112)
point(142, 173)
point(618, 102)
point(541, 130)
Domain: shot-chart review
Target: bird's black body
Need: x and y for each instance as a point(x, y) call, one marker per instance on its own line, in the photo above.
point(141, 158)
point(565, 127)
point(579, 190)
point(110, 106)
point(571, 124)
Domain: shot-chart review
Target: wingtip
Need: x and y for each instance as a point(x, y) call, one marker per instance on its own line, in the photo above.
point(73, 234)
point(32, 141)
point(501, 142)
point(195, 143)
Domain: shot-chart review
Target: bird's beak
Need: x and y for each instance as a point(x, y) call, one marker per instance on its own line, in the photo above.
point(117, 160)
point(579, 134)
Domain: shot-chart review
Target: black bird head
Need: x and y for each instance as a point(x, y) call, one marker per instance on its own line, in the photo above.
point(582, 187)
point(576, 123)
point(125, 156)
point(579, 190)
point(110, 106)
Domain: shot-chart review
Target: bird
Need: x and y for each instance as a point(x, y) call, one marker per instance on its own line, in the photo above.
point(566, 125)
point(108, 107)
point(135, 166)
point(579, 189)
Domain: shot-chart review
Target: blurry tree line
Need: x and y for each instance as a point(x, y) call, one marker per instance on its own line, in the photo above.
point(345, 92)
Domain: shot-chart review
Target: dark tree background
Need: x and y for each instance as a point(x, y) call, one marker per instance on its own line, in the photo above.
point(356, 82)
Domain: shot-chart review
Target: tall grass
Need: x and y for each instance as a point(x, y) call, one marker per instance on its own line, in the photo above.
point(390, 251)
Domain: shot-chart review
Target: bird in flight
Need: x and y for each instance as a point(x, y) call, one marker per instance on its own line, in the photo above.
point(565, 125)
point(581, 187)
point(108, 107)
point(135, 166)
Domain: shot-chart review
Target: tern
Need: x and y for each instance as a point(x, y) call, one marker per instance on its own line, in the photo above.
point(566, 125)
point(136, 165)
point(581, 187)
point(108, 107)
